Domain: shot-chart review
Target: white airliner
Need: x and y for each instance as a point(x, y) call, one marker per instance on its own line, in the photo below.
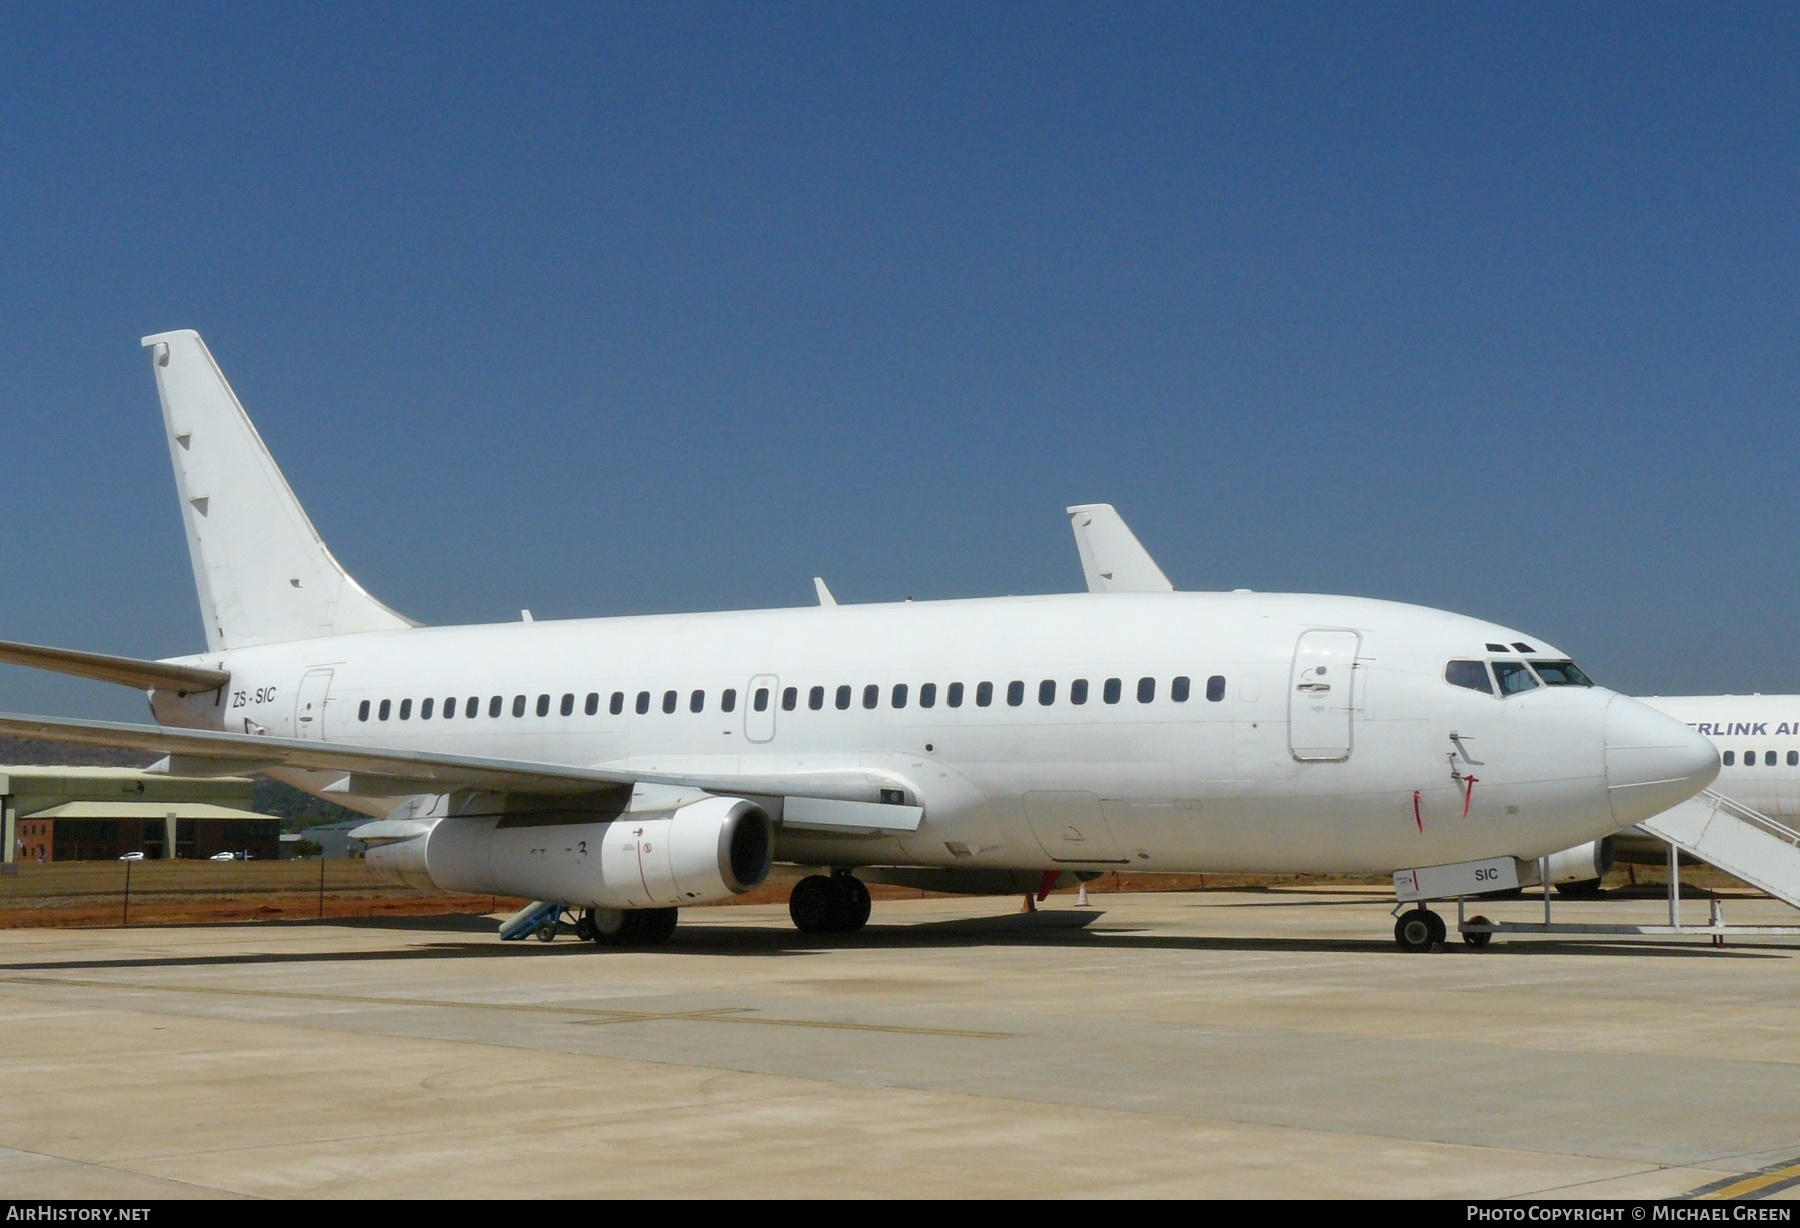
point(628, 766)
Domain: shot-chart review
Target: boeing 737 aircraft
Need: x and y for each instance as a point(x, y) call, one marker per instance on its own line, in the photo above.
point(629, 766)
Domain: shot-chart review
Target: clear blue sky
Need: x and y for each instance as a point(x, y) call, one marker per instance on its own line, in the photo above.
point(603, 309)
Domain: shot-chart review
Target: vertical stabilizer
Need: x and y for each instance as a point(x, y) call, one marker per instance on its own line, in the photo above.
point(1112, 558)
point(263, 573)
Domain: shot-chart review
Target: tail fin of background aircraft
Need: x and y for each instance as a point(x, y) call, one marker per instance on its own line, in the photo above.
point(1112, 558)
point(263, 573)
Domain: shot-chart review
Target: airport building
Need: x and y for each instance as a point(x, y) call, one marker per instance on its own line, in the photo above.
point(102, 814)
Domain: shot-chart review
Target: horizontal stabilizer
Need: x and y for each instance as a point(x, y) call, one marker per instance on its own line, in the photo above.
point(1112, 558)
point(126, 671)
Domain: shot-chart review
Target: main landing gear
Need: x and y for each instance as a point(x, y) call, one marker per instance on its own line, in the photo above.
point(838, 904)
point(627, 927)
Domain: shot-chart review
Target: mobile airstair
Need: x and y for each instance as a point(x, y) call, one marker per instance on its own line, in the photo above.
point(1744, 843)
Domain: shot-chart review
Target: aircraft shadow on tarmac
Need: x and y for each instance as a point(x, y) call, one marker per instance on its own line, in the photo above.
point(1058, 928)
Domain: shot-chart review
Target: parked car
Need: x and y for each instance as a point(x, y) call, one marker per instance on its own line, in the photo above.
point(132, 857)
point(229, 857)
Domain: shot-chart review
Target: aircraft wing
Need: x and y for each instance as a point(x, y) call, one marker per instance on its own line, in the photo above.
point(1112, 558)
point(383, 772)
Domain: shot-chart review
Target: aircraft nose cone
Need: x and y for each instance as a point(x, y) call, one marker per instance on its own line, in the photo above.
point(1653, 761)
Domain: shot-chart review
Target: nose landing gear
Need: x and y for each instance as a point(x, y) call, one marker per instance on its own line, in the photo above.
point(1420, 929)
point(838, 904)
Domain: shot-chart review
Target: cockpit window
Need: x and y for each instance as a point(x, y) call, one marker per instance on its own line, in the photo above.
point(1471, 674)
point(1561, 673)
point(1513, 677)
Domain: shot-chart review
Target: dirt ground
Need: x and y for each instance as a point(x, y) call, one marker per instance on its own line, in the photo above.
point(76, 894)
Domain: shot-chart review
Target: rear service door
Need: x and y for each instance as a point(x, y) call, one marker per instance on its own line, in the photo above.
point(309, 705)
point(1321, 695)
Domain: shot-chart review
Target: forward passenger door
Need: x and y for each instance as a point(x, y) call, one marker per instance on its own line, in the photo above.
point(1321, 695)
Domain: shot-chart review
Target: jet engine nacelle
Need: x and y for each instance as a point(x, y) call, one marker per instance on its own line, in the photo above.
point(1585, 863)
point(707, 850)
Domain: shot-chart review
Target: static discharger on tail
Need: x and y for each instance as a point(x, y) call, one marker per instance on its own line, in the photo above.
point(625, 767)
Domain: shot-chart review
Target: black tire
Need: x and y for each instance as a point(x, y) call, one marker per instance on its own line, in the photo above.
point(584, 926)
point(1478, 940)
point(851, 904)
point(647, 927)
point(1439, 931)
point(546, 931)
point(1415, 931)
point(607, 926)
point(812, 904)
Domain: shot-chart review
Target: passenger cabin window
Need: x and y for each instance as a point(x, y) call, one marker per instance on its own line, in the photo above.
point(1729, 758)
point(1146, 690)
point(567, 707)
point(760, 701)
point(406, 709)
point(871, 695)
point(518, 705)
point(473, 708)
point(1749, 758)
point(643, 702)
point(1078, 691)
point(789, 698)
point(1178, 690)
point(1015, 694)
point(618, 703)
point(815, 698)
point(984, 694)
point(899, 695)
point(1513, 677)
point(449, 708)
point(1470, 674)
point(953, 695)
point(592, 705)
point(1794, 758)
point(1046, 693)
point(928, 695)
point(697, 701)
point(843, 698)
point(495, 704)
point(1111, 691)
point(387, 709)
point(362, 711)
point(728, 699)
point(1561, 673)
point(670, 699)
point(543, 705)
point(1215, 688)
point(1769, 759)
point(425, 709)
